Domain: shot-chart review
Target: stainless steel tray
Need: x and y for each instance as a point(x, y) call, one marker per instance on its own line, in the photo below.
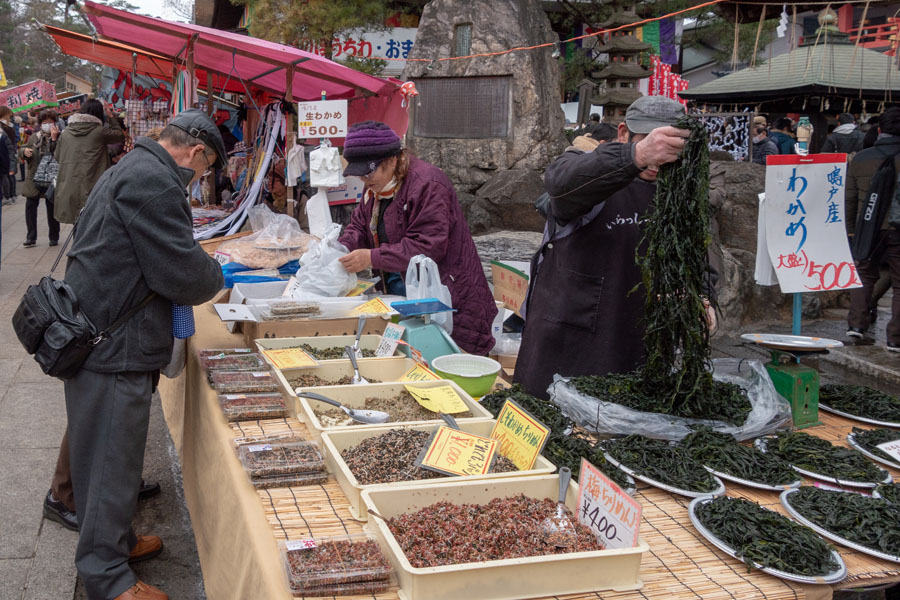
point(838, 575)
point(791, 342)
point(851, 439)
point(754, 484)
point(835, 411)
point(689, 493)
point(762, 442)
point(785, 501)
point(875, 494)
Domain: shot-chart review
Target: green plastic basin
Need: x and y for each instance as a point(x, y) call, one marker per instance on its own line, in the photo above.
point(474, 374)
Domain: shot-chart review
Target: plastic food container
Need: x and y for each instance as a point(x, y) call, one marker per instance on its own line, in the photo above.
point(366, 342)
point(290, 480)
point(281, 458)
point(235, 382)
point(475, 374)
point(373, 369)
point(247, 407)
point(243, 361)
point(335, 566)
point(510, 579)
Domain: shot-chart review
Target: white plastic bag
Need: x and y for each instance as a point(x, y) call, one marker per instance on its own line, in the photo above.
point(321, 273)
point(325, 169)
point(318, 213)
point(769, 411)
point(276, 240)
point(423, 280)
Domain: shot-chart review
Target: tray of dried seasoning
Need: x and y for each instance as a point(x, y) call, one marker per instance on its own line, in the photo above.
point(326, 348)
point(766, 540)
point(865, 524)
point(236, 382)
point(860, 403)
point(340, 372)
point(363, 459)
point(289, 480)
point(248, 407)
point(481, 541)
point(281, 458)
point(867, 440)
point(889, 492)
point(238, 361)
point(662, 465)
point(392, 398)
point(335, 566)
point(819, 459)
point(724, 457)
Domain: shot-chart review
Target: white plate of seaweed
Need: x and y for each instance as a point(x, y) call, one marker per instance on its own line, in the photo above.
point(762, 443)
point(851, 439)
point(785, 498)
point(754, 484)
point(663, 486)
point(828, 578)
point(847, 415)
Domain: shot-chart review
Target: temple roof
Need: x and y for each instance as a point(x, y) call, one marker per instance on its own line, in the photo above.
point(623, 43)
point(626, 70)
point(620, 96)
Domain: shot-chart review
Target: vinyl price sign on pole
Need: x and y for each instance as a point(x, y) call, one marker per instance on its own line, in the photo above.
point(324, 119)
point(805, 223)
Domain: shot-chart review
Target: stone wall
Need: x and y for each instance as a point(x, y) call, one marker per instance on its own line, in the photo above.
point(497, 178)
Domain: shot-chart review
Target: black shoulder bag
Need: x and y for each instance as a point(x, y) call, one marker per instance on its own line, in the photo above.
point(50, 324)
point(874, 210)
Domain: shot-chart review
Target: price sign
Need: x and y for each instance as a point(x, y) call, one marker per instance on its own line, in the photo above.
point(892, 449)
point(307, 544)
point(440, 399)
point(389, 340)
point(323, 118)
point(290, 358)
point(361, 288)
point(260, 448)
point(419, 373)
point(613, 515)
point(222, 258)
point(455, 452)
point(521, 436)
point(510, 285)
point(375, 306)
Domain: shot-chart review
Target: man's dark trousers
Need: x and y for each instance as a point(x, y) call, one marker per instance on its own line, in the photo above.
point(108, 415)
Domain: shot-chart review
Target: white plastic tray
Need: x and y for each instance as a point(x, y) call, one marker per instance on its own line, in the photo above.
point(835, 411)
point(778, 341)
point(754, 484)
point(838, 575)
point(762, 443)
point(851, 439)
point(689, 493)
point(366, 342)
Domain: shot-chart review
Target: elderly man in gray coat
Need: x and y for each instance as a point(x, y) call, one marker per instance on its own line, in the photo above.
point(133, 239)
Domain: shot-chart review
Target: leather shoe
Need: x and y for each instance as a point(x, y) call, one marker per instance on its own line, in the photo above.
point(57, 511)
point(147, 547)
point(855, 332)
point(148, 489)
point(143, 591)
point(29, 244)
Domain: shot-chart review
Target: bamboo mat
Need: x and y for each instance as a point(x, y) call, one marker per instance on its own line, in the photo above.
point(680, 563)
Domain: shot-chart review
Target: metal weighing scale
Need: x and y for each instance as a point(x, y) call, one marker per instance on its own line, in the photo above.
point(798, 383)
point(428, 338)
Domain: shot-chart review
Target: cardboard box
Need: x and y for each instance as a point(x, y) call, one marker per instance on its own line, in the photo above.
point(510, 283)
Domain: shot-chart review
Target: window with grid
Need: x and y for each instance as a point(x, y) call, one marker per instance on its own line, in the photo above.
point(462, 107)
point(463, 35)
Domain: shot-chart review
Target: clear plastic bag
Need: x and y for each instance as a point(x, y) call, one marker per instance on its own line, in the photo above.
point(321, 273)
point(423, 280)
point(769, 410)
point(277, 239)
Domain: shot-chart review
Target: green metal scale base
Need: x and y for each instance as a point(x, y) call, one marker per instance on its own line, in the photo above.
point(799, 384)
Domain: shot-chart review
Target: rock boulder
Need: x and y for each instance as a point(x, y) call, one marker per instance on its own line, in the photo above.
point(508, 198)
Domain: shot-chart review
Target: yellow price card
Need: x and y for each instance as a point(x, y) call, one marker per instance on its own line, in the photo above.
point(520, 435)
point(361, 288)
point(456, 452)
point(290, 358)
point(440, 399)
point(419, 373)
point(375, 306)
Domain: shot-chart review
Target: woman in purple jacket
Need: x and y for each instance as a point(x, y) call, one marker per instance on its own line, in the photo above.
point(409, 207)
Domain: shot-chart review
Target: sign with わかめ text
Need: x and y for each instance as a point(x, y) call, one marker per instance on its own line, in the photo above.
point(892, 449)
point(611, 514)
point(521, 436)
point(324, 119)
point(456, 452)
point(805, 223)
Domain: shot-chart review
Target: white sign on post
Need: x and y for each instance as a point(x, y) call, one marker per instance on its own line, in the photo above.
point(323, 119)
point(611, 514)
point(389, 339)
point(892, 449)
point(805, 229)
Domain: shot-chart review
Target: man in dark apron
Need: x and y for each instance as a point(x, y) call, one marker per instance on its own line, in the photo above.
point(581, 317)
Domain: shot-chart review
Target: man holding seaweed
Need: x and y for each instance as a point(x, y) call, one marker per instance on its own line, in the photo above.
point(580, 316)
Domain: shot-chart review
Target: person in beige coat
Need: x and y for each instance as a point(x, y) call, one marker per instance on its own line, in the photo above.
point(83, 157)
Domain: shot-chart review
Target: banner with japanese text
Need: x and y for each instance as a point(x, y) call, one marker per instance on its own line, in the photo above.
point(34, 94)
point(805, 223)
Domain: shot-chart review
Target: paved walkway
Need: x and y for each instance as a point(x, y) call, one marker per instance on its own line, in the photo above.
point(37, 556)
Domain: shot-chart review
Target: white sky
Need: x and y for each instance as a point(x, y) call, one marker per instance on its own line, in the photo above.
point(155, 8)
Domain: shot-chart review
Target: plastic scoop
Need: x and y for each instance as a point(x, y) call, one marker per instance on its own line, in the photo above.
point(362, 416)
point(359, 329)
point(558, 530)
point(357, 378)
point(450, 421)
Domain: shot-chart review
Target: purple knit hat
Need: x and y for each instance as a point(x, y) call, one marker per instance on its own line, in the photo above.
point(366, 145)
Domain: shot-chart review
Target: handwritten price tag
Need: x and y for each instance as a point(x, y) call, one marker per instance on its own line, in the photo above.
point(375, 306)
point(441, 399)
point(419, 373)
point(521, 436)
point(613, 515)
point(307, 544)
point(291, 358)
point(455, 452)
point(892, 449)
point(389, 340)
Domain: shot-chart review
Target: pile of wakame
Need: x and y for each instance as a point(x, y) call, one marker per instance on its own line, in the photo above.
point(890, 492)
point(861, 401)
point(819, 456)
point(766, 538)
point(869, 522)
point(722, 453)
point(662, 462)
point(563, 449)
point(870, 438)
point(675, 380)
